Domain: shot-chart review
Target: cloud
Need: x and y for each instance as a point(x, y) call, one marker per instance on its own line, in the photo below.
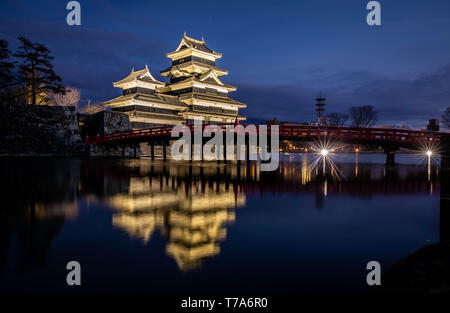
point(399, 101)
point(91, 59)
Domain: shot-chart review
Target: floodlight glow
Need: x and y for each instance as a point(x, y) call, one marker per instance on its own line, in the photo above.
point(429, 153)
point(324, 152)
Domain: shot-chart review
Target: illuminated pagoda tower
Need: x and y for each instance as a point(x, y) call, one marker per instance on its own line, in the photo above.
point(143, 103)
point(320, 108)
point(194, 78)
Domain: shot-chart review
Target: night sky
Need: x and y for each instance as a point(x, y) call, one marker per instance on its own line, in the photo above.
point(280, 54)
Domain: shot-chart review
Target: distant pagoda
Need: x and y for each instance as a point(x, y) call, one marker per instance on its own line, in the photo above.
point(320, 108)
point(194, 90)
point(194, 78)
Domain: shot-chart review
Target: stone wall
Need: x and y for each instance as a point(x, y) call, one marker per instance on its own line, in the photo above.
point(39, 130)
point(54, 130)
point(128, 150)
point(108, 123)
point(114, 122)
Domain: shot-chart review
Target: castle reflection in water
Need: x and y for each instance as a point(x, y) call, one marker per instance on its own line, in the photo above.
point(193, 216)
point(190, 205)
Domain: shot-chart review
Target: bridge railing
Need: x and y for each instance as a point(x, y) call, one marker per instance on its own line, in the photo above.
point(295, 131)
point(366, 134)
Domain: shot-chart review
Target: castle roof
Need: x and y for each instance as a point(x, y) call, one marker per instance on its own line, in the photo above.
point(216, 98)
point(142, 75)
point(196, 44)
point(155, 98)
point(209, 78)
point(181, 66)
point(191, 43)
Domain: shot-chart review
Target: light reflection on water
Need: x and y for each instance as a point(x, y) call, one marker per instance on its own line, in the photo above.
point(167, 227)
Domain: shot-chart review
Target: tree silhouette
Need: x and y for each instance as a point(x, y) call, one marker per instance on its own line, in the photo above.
point(363, 116)
point(336, 119)
point(36, 70)
point(6, 67)
point(446, 117)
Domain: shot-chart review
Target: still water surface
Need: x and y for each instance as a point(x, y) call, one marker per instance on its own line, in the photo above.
point(154, 226)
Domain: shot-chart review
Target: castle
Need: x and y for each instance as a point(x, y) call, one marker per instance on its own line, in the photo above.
point(193, 91)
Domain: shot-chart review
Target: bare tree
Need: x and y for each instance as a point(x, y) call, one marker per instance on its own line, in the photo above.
point(92, 108)
point(336, 119)
point(70, 98)
point(363, 116)
point(446, 117)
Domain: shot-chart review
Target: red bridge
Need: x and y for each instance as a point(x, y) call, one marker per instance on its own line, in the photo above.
point(381, 136)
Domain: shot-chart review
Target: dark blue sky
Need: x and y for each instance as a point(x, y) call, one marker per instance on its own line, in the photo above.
point(280, 54)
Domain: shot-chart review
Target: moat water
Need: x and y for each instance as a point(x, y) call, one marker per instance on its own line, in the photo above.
point(154, 226)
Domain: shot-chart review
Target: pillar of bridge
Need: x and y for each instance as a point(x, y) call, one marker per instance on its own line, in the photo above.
point(164, 147)
point(152, 149)
point(390, 155)
point(247, 151)
point(445, 188)
point(225, 159)
point(238, 169)
point(268, 149)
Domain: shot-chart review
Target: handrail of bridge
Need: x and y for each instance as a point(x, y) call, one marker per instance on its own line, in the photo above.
point(295, 131)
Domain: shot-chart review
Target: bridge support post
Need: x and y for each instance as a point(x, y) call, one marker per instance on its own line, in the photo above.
point(164, 146)
point(135, 151)
point(238, 160)
point(269, 150)
point(390, 158)
point(247, 157)
point(390, 155)
point(224, 150)
point(445, 189)
point(152, 150)
point(247, 151)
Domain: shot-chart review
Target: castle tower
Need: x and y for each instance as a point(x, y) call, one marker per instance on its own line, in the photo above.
point(194, 78)
point(194, 91)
